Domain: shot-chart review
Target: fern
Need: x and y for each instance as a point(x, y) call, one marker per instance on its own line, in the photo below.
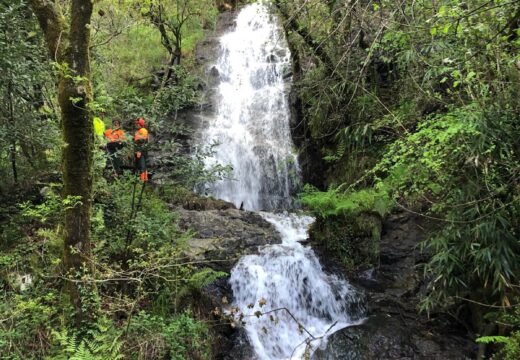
point(511, 345)
point(334, 202)
point(204, 277)
point(340, 151)
point(100, 344)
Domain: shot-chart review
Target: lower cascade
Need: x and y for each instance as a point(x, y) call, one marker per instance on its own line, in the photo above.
point(302, 304)
point(296, 304)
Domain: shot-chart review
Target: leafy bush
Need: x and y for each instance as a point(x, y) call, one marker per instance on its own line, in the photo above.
point(428, 160)
point(27, 321)
point(177, 338)
point(184, 93)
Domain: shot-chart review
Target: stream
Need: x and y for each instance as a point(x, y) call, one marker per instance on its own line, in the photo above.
point(303, 305)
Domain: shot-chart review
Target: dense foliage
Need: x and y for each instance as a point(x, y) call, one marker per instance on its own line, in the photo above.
point(29, 126)
point(142, 285)
point(416, 105)
point(141, 277)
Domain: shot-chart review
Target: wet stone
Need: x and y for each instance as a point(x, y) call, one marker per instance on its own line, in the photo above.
point(222, 236)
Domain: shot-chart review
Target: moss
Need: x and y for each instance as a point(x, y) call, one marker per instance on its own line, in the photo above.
point(180, 196)
point(354, 241)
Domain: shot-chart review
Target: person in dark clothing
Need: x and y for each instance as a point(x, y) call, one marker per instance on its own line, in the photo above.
point(141, 138)
point(115, 142)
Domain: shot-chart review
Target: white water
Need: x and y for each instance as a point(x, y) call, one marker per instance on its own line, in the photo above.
point(289, 276)
point(252, 120)
point(252, 126)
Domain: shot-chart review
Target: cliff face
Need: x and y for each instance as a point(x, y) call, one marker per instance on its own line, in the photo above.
point(394, 328)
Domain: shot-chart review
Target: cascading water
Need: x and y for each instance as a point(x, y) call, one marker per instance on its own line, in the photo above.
point(290, 279)
point(252, 127)
point(252, 120)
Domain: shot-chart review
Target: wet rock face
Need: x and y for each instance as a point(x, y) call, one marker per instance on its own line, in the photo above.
point(390, 337)
point(223, 236)
point(204, 303)
point(394, 328)
point(367, 341)
point(241, 347)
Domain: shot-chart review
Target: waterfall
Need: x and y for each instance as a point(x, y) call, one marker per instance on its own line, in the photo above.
point(251, 124)
point(289, 278)
point(252, 116)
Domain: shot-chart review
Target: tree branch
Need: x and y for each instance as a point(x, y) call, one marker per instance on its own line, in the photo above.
point(316, 47)
point(53, 25)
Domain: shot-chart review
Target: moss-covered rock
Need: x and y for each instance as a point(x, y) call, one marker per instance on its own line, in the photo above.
point(195, 202)
point(353, 240)
point(178, 196)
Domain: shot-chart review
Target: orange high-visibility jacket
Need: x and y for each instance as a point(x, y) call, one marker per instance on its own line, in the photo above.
point(141, 134)
point(115, 135)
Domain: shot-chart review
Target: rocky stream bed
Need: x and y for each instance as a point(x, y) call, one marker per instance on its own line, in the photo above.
point(393, 329)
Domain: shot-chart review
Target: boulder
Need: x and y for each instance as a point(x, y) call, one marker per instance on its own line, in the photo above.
point(221, 237)
point(196, 202)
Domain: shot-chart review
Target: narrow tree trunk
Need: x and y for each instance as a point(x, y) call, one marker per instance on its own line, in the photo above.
point(72, 49)
point(12, 155)
point(12, 129)
point(175, 59)
point(78, 134)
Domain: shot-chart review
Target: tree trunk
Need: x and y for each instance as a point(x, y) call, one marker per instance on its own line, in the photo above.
point(12, 129)
point(175, 59)
point(72, 49)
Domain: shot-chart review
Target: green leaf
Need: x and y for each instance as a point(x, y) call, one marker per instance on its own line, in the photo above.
point(492, 339)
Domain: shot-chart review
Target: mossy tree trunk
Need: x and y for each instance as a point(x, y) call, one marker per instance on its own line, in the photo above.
point(68, 45)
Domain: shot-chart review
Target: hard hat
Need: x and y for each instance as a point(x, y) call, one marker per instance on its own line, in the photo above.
point(140, 122)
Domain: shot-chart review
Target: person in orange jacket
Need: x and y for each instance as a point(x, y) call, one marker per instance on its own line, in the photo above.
point(141, 138)
point(115, 137)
